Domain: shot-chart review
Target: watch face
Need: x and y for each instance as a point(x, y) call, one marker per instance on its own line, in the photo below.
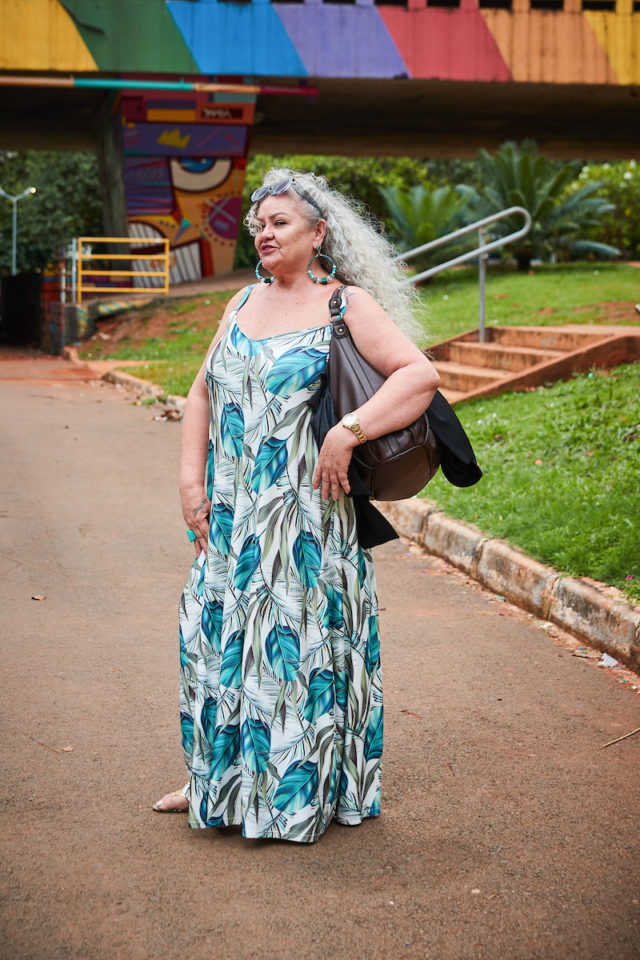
point(350, 420)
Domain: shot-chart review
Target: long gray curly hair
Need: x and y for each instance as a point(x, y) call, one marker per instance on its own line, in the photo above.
point(363, 257)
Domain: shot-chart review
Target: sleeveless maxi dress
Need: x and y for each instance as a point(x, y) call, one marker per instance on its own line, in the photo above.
point(281, 693)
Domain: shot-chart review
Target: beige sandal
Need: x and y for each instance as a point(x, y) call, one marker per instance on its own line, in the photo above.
point(183, 792)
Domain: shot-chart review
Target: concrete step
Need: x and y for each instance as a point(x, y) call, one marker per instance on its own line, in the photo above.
point(518, 358)
point(451, 395)
point(546, 338)
point(463, 377)
point(499, 356)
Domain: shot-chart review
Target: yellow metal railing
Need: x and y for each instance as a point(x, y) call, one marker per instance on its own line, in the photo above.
point(85, 272)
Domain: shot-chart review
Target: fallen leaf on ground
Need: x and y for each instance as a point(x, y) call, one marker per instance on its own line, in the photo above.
point(38, 596)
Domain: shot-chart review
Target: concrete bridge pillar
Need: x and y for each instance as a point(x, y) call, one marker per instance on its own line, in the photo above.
point(111, 167)
point(174, 164)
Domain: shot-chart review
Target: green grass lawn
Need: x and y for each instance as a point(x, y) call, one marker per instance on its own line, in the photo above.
point(573, 292)
point(173, 350)
point(568, 293)
point(561, 474)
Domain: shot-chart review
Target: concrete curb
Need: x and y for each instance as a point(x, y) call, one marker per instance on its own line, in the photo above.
point(594, 613)
point(145, 387)
point(126, 380)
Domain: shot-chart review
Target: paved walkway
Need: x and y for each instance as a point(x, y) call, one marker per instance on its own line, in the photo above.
point(506, 831)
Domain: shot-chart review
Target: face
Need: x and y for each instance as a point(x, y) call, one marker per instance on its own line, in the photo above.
point(286, 240)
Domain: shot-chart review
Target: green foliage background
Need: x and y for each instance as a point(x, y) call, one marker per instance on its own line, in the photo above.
point(621, 186)
point(67, 203)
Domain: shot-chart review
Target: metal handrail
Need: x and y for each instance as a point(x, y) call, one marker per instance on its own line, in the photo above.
point(84, 253)
point(480, 253)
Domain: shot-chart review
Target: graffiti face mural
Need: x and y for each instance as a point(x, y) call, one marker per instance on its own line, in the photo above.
point(184, 171)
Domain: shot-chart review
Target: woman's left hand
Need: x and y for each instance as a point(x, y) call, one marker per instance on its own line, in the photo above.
point(333, 462)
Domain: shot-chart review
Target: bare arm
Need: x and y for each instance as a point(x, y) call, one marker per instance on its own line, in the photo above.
point(408, 390)
point(411, 379)
point(194, 445)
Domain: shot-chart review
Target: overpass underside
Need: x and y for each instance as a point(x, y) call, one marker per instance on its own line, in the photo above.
point(368, 117)
point(430, 118)
point(174, 94)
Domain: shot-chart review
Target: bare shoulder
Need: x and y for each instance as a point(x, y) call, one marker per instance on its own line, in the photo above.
point(358, 299)
point(362, 309)
point(235, 300)
point(222, 324)
point(376, 335)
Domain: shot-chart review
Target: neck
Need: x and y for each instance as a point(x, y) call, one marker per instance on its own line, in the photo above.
point(294, 280)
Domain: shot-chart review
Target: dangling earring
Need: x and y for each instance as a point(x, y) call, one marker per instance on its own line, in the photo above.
point(321, 256)
point(260, 278)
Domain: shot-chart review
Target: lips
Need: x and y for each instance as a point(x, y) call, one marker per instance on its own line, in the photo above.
point(266, 248)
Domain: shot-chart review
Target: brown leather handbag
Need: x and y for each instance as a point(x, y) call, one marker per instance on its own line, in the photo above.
point(399, 464)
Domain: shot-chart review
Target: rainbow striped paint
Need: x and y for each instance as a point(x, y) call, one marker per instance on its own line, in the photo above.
point(318, 39)
point(185, 152)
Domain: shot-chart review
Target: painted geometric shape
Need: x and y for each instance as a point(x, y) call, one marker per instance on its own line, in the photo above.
point(41, 35)
point(224, 216)
point(147, 186)
point(619, 35)
point(540, 50)
point(188, 139)
point(231, 39)
point(197, 174)
point(446, 43)
point(184, 226)
point(130, 37)
point(342, 40)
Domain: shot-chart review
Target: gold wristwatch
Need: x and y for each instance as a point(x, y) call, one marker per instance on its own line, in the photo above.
point(350, 421)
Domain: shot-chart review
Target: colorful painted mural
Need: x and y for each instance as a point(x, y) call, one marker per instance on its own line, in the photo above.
point(185, 152)
point(184, 168)
point(489, 40)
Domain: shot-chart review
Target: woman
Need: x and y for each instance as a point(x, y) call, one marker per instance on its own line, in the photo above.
point(281, 696)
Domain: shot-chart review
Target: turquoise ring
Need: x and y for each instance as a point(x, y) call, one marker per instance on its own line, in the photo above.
point(191, 535)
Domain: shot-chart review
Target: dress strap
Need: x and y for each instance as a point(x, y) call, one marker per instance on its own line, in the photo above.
point(245, 296)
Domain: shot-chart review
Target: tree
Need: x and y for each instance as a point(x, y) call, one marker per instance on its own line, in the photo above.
point(67, 203)
point(620, 185)
point(423, 214)
point(520, 176)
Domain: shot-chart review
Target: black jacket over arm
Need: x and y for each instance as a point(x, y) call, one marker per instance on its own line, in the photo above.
point(457, 460)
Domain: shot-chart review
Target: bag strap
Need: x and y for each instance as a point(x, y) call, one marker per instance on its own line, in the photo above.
point(337, 310)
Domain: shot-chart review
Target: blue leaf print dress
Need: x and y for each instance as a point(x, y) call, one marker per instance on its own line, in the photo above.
point(281, 693)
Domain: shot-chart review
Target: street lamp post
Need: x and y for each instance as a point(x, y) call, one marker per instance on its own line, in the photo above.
point(14, 235)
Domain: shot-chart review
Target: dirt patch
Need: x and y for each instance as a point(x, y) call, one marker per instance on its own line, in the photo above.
point(164, 321)
point(612, 311)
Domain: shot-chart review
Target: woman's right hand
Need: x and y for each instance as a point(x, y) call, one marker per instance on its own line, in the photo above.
point(196, 508)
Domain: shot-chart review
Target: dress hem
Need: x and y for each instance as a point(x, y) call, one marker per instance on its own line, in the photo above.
point(355, 820)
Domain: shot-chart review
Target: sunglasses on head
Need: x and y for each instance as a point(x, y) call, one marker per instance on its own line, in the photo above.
point(276, 189)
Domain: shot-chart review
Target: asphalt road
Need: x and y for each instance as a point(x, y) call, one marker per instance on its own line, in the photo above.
point(506, 830)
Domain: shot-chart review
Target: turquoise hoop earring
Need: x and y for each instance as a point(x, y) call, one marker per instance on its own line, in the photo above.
point(261, 278)
point(321, 256)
